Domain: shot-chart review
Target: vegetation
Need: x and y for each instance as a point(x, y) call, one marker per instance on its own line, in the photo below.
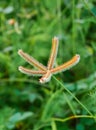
point(68, 101)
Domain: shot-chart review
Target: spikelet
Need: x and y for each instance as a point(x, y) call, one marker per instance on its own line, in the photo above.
point(46, 72)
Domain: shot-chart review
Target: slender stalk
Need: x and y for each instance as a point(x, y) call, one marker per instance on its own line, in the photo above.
point(73, 117)
point(46, 109)
point(73, 96)
point(69, 103)
point(59, 13)
point(53, 125)
point(73, 27)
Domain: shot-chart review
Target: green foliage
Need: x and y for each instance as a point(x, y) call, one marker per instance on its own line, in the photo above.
point(17, 117)
point(5, 114)
point(25, 104)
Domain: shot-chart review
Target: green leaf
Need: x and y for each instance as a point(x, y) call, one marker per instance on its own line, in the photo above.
point(17, 117)
point(94, 11)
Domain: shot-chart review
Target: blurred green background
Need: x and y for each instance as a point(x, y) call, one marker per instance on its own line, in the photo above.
point(30, 25)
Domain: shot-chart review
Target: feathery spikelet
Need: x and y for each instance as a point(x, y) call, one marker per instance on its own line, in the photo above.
point(47, 72)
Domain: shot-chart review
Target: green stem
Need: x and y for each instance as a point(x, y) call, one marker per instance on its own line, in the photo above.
point(73, 117)
point(53, 124)
point(46, 108)
point(70, 104)
point(73, 95)
point(73, 26)
point(59, 15)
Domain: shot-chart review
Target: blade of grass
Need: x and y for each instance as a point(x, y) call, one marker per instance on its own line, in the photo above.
point(73, 27)
point(46, 109)
point(90, 10)
point(69, 103)
point(61, 84)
